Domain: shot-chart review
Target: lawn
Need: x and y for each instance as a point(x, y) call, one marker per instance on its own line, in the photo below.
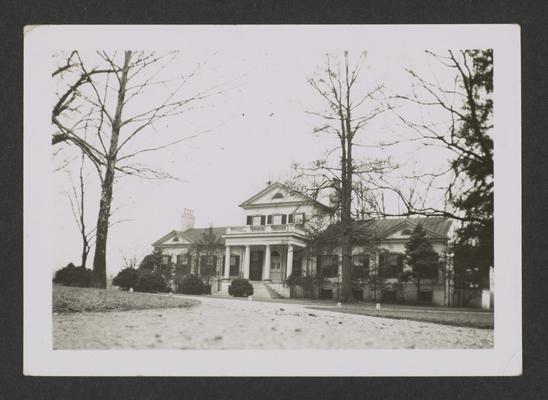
point(75, 299)
point(471, 319)
point(465, 317)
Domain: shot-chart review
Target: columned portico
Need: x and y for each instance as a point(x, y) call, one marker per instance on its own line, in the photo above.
point(269, 253)
point(246, 261)
point(289, 270)
point(266, 268)
point(227, 263)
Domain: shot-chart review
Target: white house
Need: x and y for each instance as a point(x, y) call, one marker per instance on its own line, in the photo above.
point(274, 243)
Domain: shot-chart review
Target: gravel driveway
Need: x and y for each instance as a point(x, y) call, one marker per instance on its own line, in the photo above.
point(241, 324)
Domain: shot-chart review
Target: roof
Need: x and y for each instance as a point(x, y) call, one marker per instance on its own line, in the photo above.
point(193, 234)
point(378, 229)
point(274, 185)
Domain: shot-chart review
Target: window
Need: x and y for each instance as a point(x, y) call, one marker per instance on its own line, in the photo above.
point(208, 265)
point(299, 218)
point(329, 266)
point(234, 265)
point(176, 239)
point(360, 266)
point(256, 220)
point(249, 220)
point(406, 232)
point(284, 219)
point(277, 220)
point(290, 218)
point(278, 196)
point(179, 259)
point(392, 264)
point(269, 219)
point(166, 260)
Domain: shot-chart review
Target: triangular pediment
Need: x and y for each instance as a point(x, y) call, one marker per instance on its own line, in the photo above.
point(276, 193)
point(404, 230)
point(173, 238)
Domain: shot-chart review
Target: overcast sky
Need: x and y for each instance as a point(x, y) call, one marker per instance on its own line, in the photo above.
point(256, 128)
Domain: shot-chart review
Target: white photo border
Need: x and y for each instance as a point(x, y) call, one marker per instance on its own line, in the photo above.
point(39, 357)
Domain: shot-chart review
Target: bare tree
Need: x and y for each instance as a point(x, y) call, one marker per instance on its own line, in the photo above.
point(465, 130)
point(348, 112)
point(107, 95)
point(77, 199)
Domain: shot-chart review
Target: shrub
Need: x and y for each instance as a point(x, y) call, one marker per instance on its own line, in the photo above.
point(192, 284)
point(151, 282)
point(306, 282)
point(295, 280)
point(126, 278)
point(240, 288)
point(73, 276)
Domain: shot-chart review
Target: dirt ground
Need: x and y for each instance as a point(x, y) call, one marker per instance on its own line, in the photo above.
point(242, 324)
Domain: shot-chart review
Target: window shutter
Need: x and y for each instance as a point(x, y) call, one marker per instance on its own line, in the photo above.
point(284, 219)
point(269, 220)
point(263, 218)
point(290, 218)
point(249, 220)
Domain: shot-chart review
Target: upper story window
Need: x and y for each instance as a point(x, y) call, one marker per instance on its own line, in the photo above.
point(277, 219)
point(278, 196)
point(176, 239)
point(298, 218)
point(406, 232)
point(257, 220)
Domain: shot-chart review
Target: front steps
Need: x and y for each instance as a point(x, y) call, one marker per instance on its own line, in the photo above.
point(262, 290)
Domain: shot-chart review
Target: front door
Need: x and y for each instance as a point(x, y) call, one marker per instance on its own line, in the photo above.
point(256, 265)
point(276, 266)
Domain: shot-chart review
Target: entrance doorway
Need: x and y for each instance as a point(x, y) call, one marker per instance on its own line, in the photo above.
point(256, 265)
point(276, 266)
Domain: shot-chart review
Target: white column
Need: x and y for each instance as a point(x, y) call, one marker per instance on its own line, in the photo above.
point(227, 262)
point(266, 266)
point(246, 262)
point(289, 260)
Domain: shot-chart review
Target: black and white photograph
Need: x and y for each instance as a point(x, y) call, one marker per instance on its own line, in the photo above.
point(272, 200)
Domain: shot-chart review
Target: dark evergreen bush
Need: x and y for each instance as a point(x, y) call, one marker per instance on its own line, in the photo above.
point(306, 282)
point(151, 282)
point(126, 278)
point(295, 280)
point(192, 284)
point(240, 288)
point(73, 276)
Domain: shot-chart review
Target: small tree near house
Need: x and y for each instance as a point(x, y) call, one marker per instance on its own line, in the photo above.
point(126, 278)
point(151, 261)
point(421, 257)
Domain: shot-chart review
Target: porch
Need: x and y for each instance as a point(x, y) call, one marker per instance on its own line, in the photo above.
point(264, 253)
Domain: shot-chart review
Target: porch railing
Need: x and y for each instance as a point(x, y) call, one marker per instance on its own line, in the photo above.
point(290, 228)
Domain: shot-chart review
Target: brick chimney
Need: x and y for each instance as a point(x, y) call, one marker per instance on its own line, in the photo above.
point(187, 219)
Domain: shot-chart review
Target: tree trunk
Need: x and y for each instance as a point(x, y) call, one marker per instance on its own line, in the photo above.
point(100, 260)
point(85, 252)
point(346, 217)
